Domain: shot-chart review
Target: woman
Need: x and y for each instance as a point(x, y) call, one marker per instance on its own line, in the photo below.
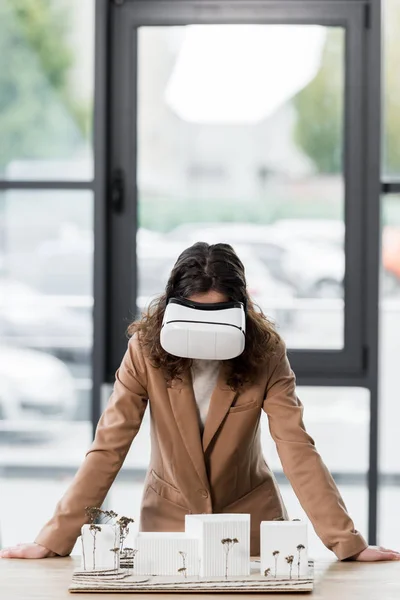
point(206, 452)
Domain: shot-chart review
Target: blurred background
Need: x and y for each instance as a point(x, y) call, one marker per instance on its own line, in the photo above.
point(239, 136)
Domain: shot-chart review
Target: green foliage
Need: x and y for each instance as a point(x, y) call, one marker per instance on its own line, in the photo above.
point(320, 109)
point(163, 213)
point(38, 116)
point(391, 81)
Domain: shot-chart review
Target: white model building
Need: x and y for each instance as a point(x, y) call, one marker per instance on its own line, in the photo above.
point(224, 543)
point(212, 546)
point(98, 541)
point(162, 553)
point(284, 549)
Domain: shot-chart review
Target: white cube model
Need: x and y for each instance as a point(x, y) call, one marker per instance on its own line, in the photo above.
point(224, 543)
point(98, 542)
point(284, 549)
point(166, 553)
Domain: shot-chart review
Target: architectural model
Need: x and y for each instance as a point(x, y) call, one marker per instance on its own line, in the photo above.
point(284, 549)
point(224, 543)
point(212, 554)
point(98, 542)
point(175, 554)
point(103, 543)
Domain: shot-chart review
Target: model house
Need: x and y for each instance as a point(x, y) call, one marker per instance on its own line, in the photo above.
point(212, 546)
point(224, 543)
point(100, 545)
point(161, 553)
point(284, 549)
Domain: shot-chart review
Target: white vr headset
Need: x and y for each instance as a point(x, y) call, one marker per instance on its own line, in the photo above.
point(203, 330)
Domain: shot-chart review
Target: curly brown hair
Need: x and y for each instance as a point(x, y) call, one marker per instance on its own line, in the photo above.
point(200, 268)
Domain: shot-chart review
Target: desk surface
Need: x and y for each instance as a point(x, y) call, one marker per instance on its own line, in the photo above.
point(48, 579)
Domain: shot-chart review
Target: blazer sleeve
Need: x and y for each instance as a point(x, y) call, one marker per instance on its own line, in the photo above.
point(308, 475)
point(115, 432)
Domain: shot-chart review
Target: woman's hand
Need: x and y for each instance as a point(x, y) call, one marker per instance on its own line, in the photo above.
point(375, 553)
point(27, 551)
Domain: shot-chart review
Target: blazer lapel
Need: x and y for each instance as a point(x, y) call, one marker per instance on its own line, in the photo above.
point(221, 401)
point(183, 404)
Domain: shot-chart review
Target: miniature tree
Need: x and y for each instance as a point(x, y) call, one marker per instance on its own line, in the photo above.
point(115, 537)
point(275, 554)
point(123, 524)
point(267, 572)
point(115, 550)
point(83, 553)
point(228, 543)
point(110, 515)
point(93, 513)
point(94, 529)
point(183, 568)
point(299, 548)
point(289, 559)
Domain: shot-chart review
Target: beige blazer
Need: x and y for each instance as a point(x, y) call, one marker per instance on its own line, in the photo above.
point(221, 471)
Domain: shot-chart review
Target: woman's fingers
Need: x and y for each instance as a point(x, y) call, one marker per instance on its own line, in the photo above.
point(26, 551)
point(377, 553)
point(386, 551)
point(13, 552)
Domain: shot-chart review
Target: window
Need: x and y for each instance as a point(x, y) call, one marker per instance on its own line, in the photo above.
point(391, 96)
point(46, 253)
point(46, 89)
point(389, 348)
point(278, 139)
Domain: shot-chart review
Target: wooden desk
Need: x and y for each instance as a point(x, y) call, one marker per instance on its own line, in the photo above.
point(49, 579)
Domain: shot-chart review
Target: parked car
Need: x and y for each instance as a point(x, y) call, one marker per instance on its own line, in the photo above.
point(65, 264)
point(274, 297)
point(31, 319)
point(260, 238)
point(314, 270)
point(326, 231)
point(34, 384)
point(156, 256)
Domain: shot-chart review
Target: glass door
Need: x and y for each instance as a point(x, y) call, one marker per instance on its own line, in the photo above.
point(245, 127)
point(240, 137)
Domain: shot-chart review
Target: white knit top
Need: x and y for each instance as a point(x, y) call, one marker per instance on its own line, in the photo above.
point(204, 376)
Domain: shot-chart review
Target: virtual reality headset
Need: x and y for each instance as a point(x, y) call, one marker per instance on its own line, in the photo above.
point(203, 330)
